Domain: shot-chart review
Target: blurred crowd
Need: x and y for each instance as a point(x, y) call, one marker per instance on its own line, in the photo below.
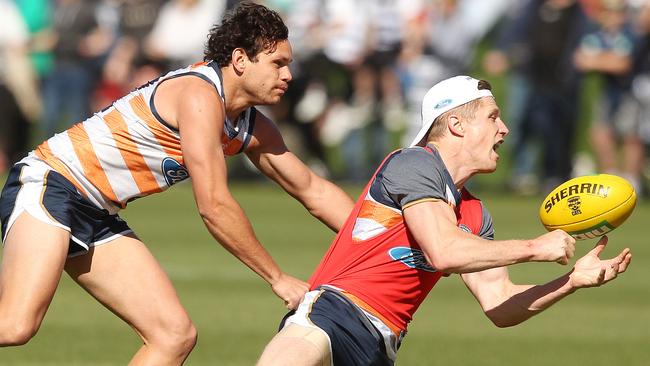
point(360, 70)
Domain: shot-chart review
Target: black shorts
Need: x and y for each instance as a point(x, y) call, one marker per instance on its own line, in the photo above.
point(49, 197)
point(353, 338)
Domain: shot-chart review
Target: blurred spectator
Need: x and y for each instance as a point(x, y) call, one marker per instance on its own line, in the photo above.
point(328, 38)
point(19, 101)
point(361, 42)
point(178, 35)
point(38, 17)
point(78, 41)
point(376, 82)
point(127, 65)
point(607, 50)
point(508, 56)
point(539, 45)
point(440, 44)
point(316, 81)
point(640, 91)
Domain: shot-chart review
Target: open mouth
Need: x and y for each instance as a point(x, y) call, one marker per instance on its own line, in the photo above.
point(496, 146)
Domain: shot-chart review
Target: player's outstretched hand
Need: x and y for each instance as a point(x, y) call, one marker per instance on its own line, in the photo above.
point(591, 271)
point(555, 246)
point(290, 289)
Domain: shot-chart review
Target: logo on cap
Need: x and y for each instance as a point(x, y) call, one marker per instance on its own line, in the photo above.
point(443, 103)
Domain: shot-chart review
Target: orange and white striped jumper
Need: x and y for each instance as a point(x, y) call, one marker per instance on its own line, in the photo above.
point(127, 151)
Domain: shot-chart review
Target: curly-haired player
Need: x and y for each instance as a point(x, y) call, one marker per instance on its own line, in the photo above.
point(61, 201)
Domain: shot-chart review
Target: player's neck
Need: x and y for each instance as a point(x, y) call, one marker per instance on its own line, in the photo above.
point(456, 164)
point(236, 99)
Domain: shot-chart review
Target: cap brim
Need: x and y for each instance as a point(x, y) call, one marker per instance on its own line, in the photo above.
point(421, 134)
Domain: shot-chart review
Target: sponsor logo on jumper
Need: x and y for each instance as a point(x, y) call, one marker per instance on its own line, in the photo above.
point(413, 258)
point(584, 188)
point(173, 171)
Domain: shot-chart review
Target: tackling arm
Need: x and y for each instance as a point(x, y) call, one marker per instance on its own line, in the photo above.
point(323, 199)
point(507, 304)
point(200, 118)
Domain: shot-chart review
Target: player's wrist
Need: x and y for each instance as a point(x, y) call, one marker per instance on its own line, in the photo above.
point(572, 284)
point(274, 277)
point(534, 250)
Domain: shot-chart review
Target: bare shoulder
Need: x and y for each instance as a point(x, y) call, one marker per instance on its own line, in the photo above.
point(180, 94)
point(266, 136)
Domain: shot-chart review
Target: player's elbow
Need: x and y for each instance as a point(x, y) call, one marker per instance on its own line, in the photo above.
point(205, 212)
point(314, 197)
point(442, 263)
point(445, 260)
point(444, 255)
point(310, 193)
point(210, 211)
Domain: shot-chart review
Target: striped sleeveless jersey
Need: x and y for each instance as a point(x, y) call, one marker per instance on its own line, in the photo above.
point(128, 151)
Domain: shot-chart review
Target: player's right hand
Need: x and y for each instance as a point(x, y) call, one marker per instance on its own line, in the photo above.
point(555, 246)
point(290, 289)
point(591, 271)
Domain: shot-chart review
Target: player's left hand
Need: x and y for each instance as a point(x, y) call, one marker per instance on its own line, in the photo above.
point(290, 289)
point(591, 271)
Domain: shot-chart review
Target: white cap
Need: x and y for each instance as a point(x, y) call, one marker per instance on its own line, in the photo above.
point(446, 95)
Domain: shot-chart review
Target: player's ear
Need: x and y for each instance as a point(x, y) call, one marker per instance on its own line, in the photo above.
point(455, 125)
point(238, 59)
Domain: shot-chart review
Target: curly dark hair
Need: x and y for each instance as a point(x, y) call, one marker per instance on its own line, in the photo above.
point(253, 27)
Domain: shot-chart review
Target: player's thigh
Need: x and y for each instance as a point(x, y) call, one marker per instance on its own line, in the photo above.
point(33, 257)
point(297, 345)
point(124, 276)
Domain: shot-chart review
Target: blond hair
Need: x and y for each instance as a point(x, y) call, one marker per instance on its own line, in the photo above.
point(465, 111)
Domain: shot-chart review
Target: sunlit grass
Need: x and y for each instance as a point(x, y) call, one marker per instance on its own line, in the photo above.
point(236, 313)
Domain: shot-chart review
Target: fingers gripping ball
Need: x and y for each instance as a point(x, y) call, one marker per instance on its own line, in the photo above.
point(589, 206)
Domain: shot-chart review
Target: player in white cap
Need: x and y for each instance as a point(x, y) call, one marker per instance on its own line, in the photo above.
point(415, 223)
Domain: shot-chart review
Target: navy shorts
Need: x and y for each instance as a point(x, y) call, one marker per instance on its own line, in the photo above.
point(49, 197)
point(353, 338)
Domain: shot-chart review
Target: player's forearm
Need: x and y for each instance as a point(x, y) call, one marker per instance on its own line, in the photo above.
point(525, 301)
point(468, 253)
point(456, 251)
point(231, 228)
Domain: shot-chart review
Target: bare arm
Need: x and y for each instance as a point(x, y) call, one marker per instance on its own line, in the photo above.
point(451, 250)
point(507, 304)
point(606, 62)
point(323, 199)
point(200, 116)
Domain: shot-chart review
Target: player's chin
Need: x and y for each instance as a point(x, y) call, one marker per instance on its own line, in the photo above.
point(268, 101)
point(488, 169)
point(494, 158)
point(490, 166)
point(273, 98)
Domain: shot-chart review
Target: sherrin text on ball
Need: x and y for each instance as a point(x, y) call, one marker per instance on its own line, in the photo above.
point(588, 206)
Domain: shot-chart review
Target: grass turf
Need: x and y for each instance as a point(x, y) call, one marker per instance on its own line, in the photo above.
point(236, 313)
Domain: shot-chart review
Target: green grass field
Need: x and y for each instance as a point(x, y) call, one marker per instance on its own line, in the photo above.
point(236, 313)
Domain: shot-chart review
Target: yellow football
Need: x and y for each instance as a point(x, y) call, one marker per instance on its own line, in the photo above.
point(589, 206)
